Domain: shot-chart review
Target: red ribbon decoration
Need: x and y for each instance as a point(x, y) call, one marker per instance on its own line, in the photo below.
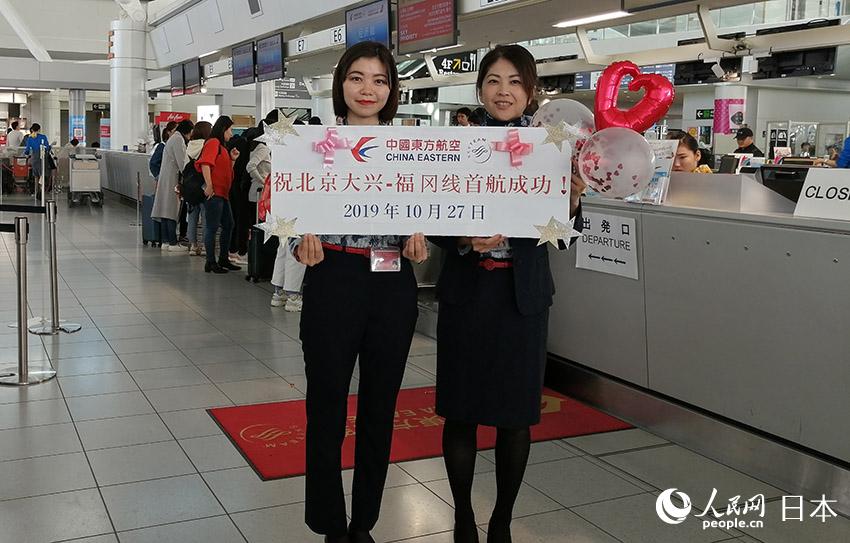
point(265, 203)
point(649, 110)
point(514, 146)
point(330, 144)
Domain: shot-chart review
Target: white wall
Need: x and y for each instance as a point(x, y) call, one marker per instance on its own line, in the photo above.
point(796, 105)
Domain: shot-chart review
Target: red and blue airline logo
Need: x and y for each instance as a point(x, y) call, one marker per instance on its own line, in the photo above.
point(359, 151)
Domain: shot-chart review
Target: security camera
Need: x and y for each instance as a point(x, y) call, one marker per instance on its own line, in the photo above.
point(152, 95)
point(718, 70)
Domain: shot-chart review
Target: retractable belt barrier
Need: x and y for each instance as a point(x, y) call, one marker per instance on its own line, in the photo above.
point(23, 376)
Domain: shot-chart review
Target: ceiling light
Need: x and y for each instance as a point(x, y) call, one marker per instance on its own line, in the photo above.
point(592, 19)
point(444, 48)
point(210, 53)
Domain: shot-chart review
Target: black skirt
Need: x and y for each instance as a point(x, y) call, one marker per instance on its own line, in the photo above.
point(490, 358)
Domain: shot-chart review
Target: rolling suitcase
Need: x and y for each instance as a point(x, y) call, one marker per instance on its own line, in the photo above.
point(261, 256)
point(150, 228)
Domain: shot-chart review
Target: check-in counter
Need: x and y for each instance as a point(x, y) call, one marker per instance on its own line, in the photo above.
point(124, 172)
point(740, 309)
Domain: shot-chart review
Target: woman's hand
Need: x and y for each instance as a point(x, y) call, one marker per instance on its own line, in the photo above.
point(310, 251)
point(415, 248)
point(577, 188)
point(234, 154)
point(483, 245)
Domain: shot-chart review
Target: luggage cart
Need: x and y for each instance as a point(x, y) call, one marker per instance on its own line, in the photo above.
point(84, 180)
point(21, 173)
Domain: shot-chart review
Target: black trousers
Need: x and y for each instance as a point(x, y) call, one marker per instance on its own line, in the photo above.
point(350, 313)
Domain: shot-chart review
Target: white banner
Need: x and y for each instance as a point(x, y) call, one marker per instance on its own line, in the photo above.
point(378, 180)
point(608, 244)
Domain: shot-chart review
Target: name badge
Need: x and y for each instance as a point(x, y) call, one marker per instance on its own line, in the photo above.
point(385, 259)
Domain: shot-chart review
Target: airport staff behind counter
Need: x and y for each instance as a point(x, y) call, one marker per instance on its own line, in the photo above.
point(744, 137)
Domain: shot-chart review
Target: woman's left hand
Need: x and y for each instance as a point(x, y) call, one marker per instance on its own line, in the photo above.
point(234, 154)
point(415, 248)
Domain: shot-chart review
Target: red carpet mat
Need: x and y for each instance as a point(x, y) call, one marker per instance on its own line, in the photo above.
point(271, 436)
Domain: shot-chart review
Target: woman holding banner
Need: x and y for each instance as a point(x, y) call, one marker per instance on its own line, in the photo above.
point(494, 298)
point(352, 314)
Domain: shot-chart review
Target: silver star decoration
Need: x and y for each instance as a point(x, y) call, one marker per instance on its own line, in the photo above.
point(555, 231)
point(275, 133)
point(276, 226)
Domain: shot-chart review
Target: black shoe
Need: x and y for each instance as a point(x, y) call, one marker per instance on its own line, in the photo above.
point(226, 264)
point(360, 537)
point(499, 532)
point(466, 532)
point(213, 267)
point(337, 539)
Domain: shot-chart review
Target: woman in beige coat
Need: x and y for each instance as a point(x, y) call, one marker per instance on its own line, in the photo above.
point(166, 204)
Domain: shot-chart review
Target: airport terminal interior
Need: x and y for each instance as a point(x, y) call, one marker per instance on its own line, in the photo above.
point(694, 359)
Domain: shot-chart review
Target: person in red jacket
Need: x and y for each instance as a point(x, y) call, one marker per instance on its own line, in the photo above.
point(216, 165)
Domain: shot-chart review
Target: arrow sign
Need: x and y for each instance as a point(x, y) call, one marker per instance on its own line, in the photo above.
point(606, 259)
point(594, 257)
point(618, 261)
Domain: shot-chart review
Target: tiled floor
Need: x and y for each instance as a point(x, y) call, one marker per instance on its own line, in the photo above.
point(120, 447)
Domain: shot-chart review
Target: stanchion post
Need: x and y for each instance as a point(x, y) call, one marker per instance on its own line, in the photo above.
point(55, 326)
point(43, 159)
point(23, 376)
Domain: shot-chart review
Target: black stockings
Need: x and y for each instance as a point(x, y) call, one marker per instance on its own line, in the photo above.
point(459, 450)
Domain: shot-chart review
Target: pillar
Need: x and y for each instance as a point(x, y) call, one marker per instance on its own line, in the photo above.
point(322, 103)
point(127, 75)
point(77, 115)
point(730, 113)
point(52, 125)
point(265, 99)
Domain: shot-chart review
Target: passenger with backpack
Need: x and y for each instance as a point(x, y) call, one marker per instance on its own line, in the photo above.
point(166, 205)
point(192, 186)
point(216, 165)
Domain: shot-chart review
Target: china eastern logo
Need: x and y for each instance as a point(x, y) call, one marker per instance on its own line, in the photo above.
point(359, 151)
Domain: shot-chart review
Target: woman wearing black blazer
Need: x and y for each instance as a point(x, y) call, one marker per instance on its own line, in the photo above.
point(494, 298)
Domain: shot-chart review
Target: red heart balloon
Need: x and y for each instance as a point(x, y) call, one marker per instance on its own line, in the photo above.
point(649, 110)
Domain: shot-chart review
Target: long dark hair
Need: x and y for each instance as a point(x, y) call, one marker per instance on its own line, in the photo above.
point(220, 127)
point(366, 49)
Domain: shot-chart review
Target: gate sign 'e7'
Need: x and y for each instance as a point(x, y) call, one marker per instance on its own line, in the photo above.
point(608, 244)
point(391, 180)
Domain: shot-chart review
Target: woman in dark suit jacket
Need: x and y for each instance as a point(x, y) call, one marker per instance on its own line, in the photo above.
point(494, 298)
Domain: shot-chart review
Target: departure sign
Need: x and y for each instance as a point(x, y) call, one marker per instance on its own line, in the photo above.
point(460, 63)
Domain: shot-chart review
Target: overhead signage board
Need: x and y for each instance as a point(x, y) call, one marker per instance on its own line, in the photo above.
point(825, 195)
point(705, 114)
point(192, 76)
point(243, 64)
point(177, 80)
point(270, 58)
point(426, 24)
point(100, 107)
point(368, 23)
point(588, 80)
point(459, 63)
point(608, 244)
point(291, 88)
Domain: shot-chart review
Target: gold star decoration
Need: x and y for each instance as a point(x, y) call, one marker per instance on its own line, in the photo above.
point(563, 132)
point(555, 231)
point(275, 133)
point(276, 226)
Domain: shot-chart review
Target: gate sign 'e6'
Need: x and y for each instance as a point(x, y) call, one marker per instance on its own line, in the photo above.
point(397, 180)
point(608, 244)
